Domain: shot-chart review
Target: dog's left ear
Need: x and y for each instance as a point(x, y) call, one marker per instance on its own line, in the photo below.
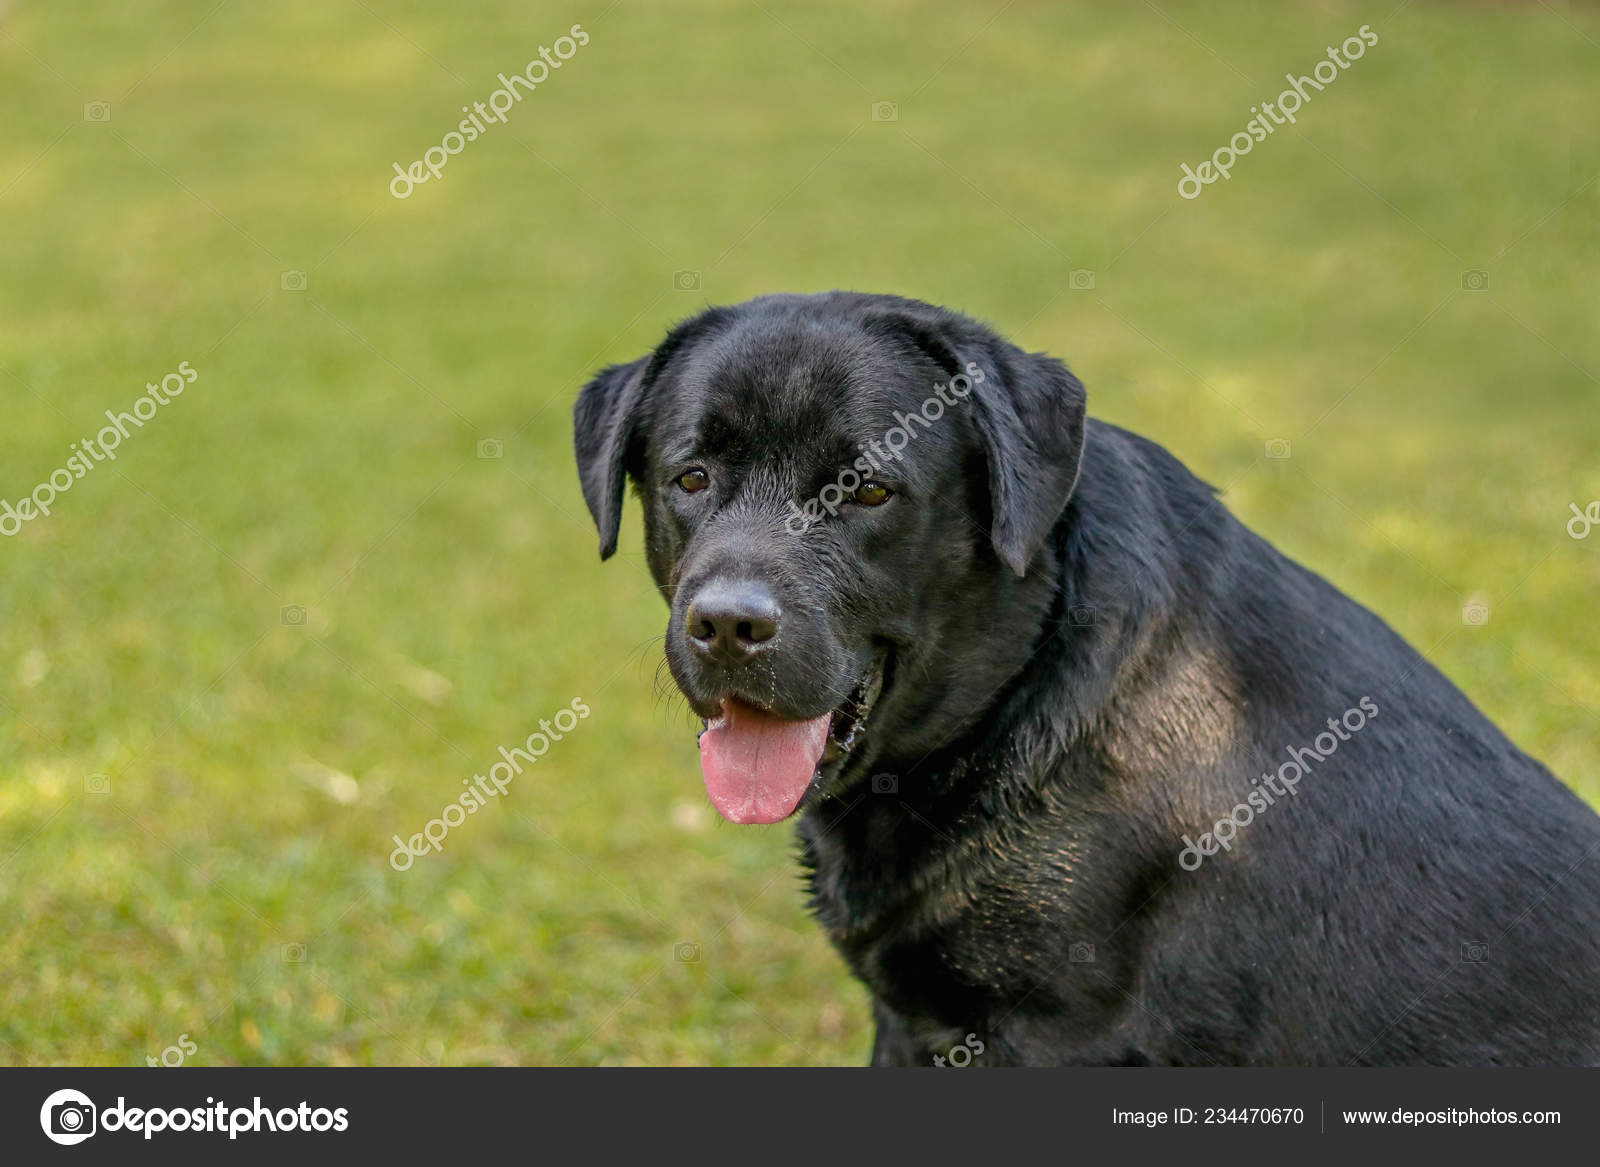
point(603, 424)
point(1030, 414)
point(1029, 411)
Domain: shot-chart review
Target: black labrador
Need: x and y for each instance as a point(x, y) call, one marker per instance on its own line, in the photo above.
point(1087, 772)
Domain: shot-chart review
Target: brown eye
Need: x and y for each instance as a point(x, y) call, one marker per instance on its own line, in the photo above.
point(693, 481)
point(873, 494)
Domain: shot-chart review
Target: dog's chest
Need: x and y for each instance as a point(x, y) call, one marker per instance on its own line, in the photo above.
point(948, 935)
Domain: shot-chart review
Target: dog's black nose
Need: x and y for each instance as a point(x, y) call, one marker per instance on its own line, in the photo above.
point(731, 621)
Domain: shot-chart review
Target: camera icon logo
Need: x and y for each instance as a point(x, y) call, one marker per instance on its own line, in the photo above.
point(1278, 449)
point(1081, 280)
point(292, 616)
point(292, 953)
point(97, 111)
point(491, 448)
point(1083, 615)
point(1081, 953)
point(885, 784)
point(1475, 280)
point(886, 111)
point(1474, 952)
point(68, 1117)
point(686, 953)
point(292, 281)
point(686, 280)
point(1475, 613)
point(96, 784)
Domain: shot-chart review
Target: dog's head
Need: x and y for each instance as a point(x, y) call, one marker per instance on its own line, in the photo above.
point(845, 497)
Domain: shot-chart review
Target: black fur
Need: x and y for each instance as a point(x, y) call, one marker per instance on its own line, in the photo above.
point(1087, 661)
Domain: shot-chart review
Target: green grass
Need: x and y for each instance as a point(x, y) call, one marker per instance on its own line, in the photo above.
point(326, 457)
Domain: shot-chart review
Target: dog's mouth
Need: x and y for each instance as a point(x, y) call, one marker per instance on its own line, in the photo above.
point(758, 766)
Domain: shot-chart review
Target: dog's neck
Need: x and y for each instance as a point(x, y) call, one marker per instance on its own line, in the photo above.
point(1046, 744)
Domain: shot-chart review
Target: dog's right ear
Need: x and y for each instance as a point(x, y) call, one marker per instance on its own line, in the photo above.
point(604, 422)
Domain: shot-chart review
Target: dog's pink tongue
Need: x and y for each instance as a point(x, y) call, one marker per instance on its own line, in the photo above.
point(757, 767)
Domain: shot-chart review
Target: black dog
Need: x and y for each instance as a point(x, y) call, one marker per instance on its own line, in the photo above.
point(1086, 769)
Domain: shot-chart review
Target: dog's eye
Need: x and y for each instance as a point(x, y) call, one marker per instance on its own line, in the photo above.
point(873, 494)
point(693, 481)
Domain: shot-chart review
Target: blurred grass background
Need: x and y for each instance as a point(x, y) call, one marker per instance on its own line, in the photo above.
point(194, 792)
